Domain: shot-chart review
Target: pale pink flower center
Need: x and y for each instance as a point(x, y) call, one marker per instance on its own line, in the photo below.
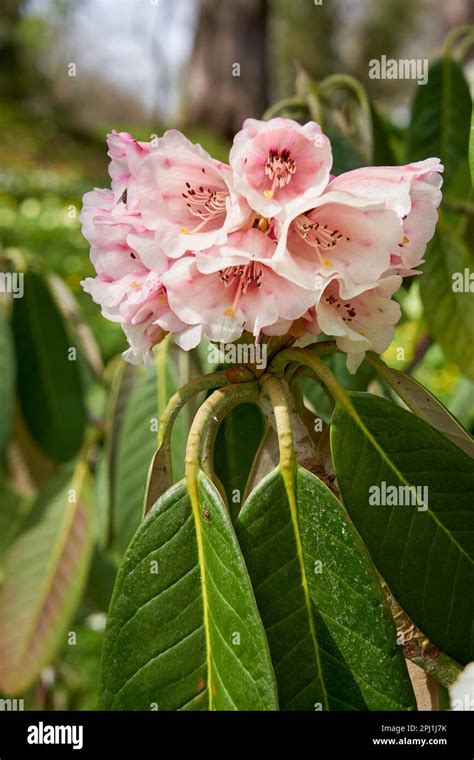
point(279, 169)
point(205, 204)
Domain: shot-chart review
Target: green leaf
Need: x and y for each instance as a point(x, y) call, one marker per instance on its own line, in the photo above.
point(383, 153)
point(45, 572)
point(426, 556)
point(422, 403)
point(329, 629)
point(7, 380)
point(471, 148)
point(345, 155)
point(237, 444)
point(181, 600)
point(12, 513)
point(49, 383)
point(441, 116)
point(135, 448)
point(449, 308)
point(123, 378)
point(78, 327)
point(137, 444)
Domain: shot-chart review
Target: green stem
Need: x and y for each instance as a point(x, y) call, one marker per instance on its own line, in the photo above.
point(223, 401)
point(241, 391)
point(345, 81)
point(181, 397)
point(453, 36)
point(437, 664)
point(308, 89)
point(161, 359)
point(418, 649)
point(303, 371)
point(205, 425)
point(276, 393)
point(322, 348)
point(308, 359)
point(458, 206)
point(294, 100)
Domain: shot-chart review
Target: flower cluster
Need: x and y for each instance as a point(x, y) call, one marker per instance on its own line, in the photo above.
point(270, 243)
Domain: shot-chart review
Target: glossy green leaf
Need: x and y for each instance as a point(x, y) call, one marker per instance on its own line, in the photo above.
point(7, 380)
point(426, 556)
point(48, 382)
point(425, 405)
point(330, 633)
point(448, 304)
point(44, 575)
point(237, 444)
point(440, 117)
point(183, 630)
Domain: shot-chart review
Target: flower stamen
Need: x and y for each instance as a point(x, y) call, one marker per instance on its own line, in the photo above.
point(246, 274)
point(279, 168)
point(318, 236)
point(205, 204)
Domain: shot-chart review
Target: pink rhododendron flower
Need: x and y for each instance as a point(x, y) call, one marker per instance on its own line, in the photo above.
point(127, 259)
point(271, 243)
point(338, 234)
point(188, 196)
point(235, 288)
point(365, 322)
point(412, 191)
point(278, 161)
point(126, 155)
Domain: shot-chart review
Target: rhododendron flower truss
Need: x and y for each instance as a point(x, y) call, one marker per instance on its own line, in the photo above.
point(269, 244)
point(259, 538)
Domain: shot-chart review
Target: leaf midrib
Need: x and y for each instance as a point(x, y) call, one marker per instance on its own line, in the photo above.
point(355, 416)
point(57, 554)
point(291, 496)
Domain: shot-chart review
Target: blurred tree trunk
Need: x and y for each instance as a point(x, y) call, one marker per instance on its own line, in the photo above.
point(10, 51)
point(227, 78)
point(302, 34)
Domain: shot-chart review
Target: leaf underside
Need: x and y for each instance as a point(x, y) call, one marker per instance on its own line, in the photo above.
point(45, 571)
